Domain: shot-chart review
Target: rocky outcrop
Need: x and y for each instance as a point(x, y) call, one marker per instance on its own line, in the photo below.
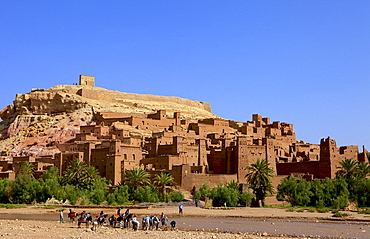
point(49, 116)
point(61, 99)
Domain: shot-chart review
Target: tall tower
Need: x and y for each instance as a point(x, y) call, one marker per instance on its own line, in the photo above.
point(328, 156)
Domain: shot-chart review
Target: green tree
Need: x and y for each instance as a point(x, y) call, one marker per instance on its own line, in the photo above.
point(136, 177)
point(362, 192)
point(296, 192)
point(196, 194)
point(76, 175)
point(4, 190)
point(347, 169)
point(50, 184)
point(204, 190)
point(176, 196)
point(119, 196)
point(233, 185)
point(362, 170)
point(245, 199)
point(27, 169)
point(162, 180)
point(259, 178)
point(147, 194)
point(98, 190)
point(223, 194)
point(25, 189)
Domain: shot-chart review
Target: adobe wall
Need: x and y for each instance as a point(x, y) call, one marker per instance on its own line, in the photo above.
point(197, 180)
point(121, 97)
point(299, 167)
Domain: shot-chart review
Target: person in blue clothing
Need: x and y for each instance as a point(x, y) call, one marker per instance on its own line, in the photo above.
point(181, 207)
point(173, 225)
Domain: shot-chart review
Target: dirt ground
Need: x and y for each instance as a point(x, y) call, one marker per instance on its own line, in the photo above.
point(192, 211)
point(55, 229)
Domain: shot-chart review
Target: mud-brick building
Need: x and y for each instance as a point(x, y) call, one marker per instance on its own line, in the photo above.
point(112, 158)
point(40, 164)
point(6, 168)
point(322, 165)
point(180, 152)
point(154, 122)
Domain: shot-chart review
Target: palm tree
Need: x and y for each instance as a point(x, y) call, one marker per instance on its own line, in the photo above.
point(27, 169)
point(162, 180)
point(348, 169)
point(76, 174)
point(362, 170)
point(259, 178)
point(233, 185)
point(136, 177)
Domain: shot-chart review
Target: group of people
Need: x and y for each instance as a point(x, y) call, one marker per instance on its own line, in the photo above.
point(148, 222)
point(152, 222)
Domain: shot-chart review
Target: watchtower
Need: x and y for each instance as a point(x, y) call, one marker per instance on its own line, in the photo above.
point(87, 80)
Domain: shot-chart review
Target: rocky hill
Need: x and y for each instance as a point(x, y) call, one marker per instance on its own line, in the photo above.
point(39, 119)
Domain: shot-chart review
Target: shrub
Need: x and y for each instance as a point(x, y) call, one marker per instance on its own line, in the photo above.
point(340, 202)
point(204, 190)
point(296, 192)
point(364, 212)
point(245, 199)
point(176, 196)
point(340, 214)
point(10, 206)
point(223, 194)
point(311, 210)
point(196, 194)
point(322, 210)
point(119, 196)
point(147, 194)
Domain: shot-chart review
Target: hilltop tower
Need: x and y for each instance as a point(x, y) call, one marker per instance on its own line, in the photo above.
point(87, 80)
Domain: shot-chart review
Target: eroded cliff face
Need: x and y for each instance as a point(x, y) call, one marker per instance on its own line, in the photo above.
point(41, 118)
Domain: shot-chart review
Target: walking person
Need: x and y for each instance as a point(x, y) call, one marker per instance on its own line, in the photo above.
point(61, 217)
point(181, 207)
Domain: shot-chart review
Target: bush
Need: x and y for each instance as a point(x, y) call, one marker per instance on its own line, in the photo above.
point(340, 214)
point(364, 212)
point(204, 190)
point(147, 194)
point(119, 196)
point(296, 192)
point(176, 196)
point(322, 210)
point(196, 194)
point(223, 194)
point(340, 202)
point(10, 206)
point(245, 199)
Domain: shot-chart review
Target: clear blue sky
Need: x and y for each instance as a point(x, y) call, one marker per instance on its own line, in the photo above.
point(301, 62)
